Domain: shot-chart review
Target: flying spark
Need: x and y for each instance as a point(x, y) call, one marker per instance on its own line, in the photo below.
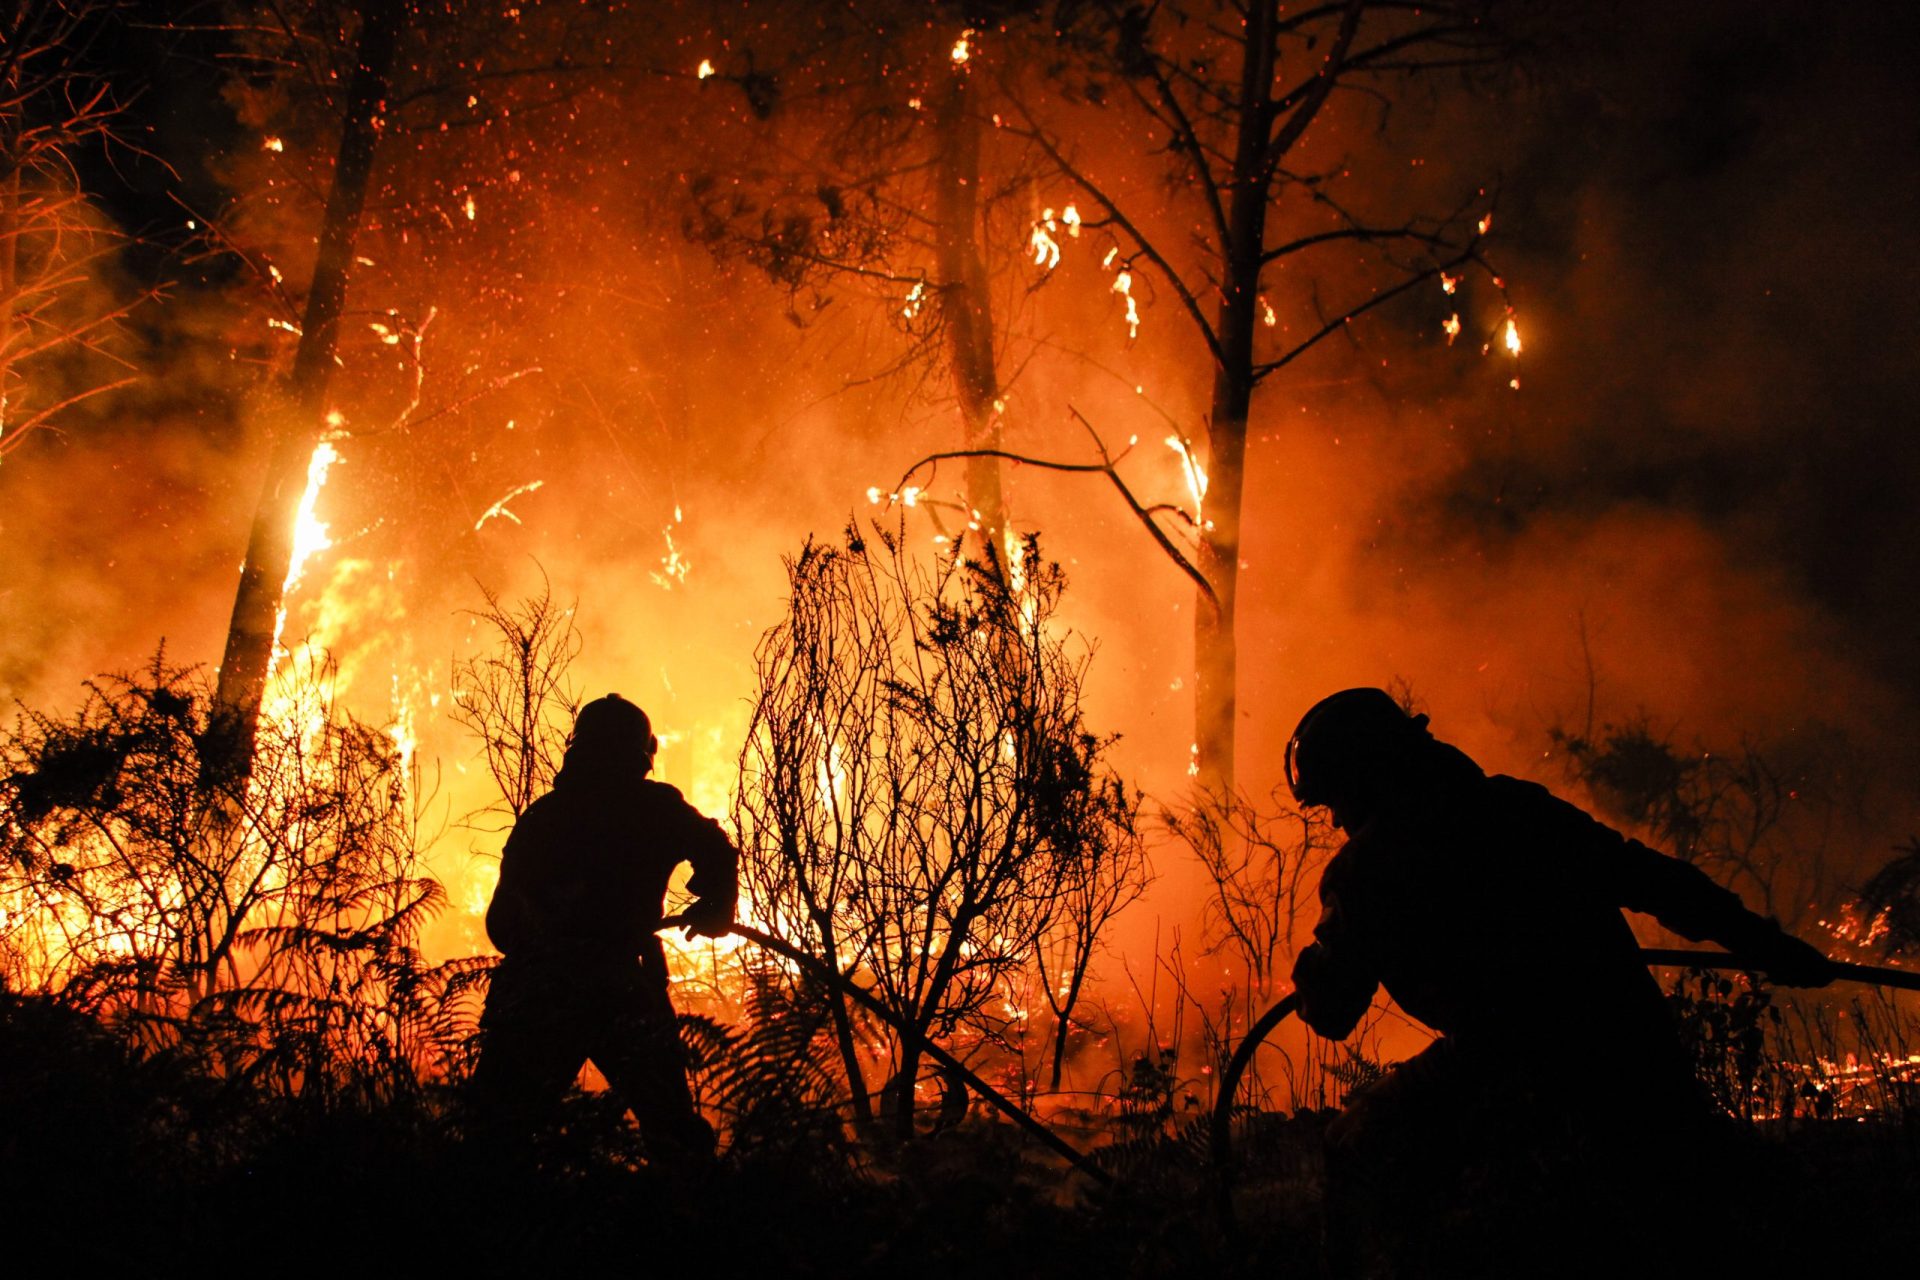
point(500, 508)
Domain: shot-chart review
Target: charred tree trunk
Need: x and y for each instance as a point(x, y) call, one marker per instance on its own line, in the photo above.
point(901, 1100)
point(843, 1038)
point(966, 302)
point(900, 1093)
point(1063, 1023)
point(1216, 696)
point(263, 575)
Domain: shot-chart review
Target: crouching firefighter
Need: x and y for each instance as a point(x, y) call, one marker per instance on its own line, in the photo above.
point(582, 883)
point(1534, 1134)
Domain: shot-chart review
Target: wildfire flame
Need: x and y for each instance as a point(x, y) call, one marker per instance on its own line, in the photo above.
point(1512, 337)
point(1046, 250)
point(309, 531)
point(1123, 285)
point(963, 47)
point(1196, 477)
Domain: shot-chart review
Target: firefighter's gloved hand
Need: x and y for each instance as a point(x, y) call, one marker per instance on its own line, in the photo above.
point(1332, 1003)
point(1789, 962)
point(708, 919)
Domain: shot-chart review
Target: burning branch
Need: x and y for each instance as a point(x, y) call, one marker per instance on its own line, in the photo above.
point(1108, 467)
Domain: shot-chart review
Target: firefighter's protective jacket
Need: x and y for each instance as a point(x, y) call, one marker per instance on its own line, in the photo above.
point(1490, 910)
point(586, 868)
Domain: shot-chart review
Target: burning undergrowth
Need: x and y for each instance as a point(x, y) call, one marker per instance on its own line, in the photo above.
point(637, 296)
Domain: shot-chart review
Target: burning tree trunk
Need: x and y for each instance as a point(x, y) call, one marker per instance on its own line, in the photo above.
point(1215, 654)
point(1233, 140)
point(257, 607)
point(967, 304)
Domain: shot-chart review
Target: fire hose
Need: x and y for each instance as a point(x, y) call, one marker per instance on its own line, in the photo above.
point(1222, 1128)
point(1222, 1138)
point(840, 982)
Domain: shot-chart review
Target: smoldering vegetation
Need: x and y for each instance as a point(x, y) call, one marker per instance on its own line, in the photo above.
point(632, 312)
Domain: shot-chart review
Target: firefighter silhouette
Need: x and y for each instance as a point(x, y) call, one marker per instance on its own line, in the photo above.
point(583, 974)
point(1490, 910)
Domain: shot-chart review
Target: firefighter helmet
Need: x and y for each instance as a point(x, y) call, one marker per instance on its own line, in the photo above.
point(615, 727)
point(1343, 739)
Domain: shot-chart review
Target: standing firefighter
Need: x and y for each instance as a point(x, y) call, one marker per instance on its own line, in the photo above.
point(1557, 1095)
point(582, 883)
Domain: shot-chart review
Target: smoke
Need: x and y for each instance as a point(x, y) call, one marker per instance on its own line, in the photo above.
point(1694, 505)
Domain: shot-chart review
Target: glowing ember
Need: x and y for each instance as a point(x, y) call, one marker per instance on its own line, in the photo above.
point(472, 210)
point(1448, 283)
point(673, 565)
point(273, 144)
point(1266, 313)
point(499, 509)
point(705, 68)
point(1451, 325)
point(1070, 218)
point(1486, 224)
point(1512, 337)
point(916, 298)
point(963, 48)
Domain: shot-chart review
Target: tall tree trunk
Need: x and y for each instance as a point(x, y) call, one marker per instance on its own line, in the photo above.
point(967, 306)
point(1216, 696)
point(10, 232)
point(11, 148)
point(263, 574)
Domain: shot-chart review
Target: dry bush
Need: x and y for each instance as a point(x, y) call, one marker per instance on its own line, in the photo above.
point(263, 923)
point(920, 800)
